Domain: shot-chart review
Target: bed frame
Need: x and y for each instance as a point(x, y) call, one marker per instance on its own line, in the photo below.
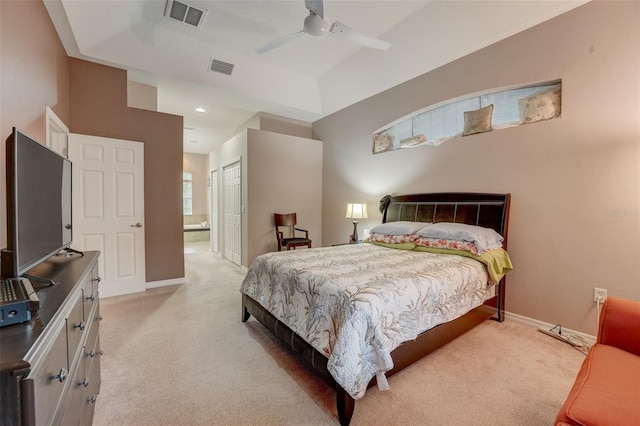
point(488, 210)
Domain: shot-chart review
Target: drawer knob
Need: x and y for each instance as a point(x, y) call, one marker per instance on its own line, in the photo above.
point(85, 382)
point(97, 280)
point(62, 375)
point(99, 317)
point(93, 399)
point(80, 326)
point(94, 353)
point(92, 298)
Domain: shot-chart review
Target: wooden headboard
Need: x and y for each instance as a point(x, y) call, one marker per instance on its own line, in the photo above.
point(488, 210)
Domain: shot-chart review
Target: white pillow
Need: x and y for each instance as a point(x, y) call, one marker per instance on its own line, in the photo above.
point(398, 228)
point(483, 238)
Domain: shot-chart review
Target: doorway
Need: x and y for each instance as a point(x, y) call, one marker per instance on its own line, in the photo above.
point(195, 192)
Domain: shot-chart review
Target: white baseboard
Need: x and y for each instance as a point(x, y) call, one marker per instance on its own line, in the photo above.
point(547, 326)
point(164, 283)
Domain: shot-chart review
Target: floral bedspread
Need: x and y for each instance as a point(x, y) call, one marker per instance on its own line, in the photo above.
point(356, 303)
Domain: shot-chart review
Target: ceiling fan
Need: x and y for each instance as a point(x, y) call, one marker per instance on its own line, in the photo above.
point(316, 25)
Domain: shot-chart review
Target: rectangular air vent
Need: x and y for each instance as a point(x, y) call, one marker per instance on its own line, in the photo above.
point(185, 13)
point(221, 67)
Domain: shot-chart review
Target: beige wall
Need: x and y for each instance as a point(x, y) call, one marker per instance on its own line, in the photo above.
point(142, 96)
point(280, 173)
point(28, 82)
point(235, 149)
point(98, 106)
point(284, 176)
point(575, 181)
point(285, 126)
point(198, 165)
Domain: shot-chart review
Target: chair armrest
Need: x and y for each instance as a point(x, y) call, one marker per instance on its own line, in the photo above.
point(306, 233)
point(620, 324)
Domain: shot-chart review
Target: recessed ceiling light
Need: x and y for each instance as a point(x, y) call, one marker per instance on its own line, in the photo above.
point(200, 109)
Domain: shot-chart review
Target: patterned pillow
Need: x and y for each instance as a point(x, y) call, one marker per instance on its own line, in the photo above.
point(478, 121)
point(483, 238)
point(382, 142)
point(540, 106)
point(392, 239)
point(446, 244)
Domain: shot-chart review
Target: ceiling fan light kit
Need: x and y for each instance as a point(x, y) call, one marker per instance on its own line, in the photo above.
point(316, 25)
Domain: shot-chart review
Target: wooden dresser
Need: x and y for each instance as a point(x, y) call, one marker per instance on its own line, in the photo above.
point(50, 365)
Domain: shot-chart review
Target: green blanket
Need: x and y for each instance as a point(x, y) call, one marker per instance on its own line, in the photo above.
point(497, 260)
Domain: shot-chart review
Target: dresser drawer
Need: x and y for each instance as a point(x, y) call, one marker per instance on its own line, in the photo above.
point(93, 372)
point(68, 412)
point(47, 380)
point(76, 325)
point(90, 291)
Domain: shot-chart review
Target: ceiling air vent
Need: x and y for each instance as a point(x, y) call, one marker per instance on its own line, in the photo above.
point(185, 13)
point(221, 67)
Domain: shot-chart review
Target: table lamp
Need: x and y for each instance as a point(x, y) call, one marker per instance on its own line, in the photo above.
point(356, 211)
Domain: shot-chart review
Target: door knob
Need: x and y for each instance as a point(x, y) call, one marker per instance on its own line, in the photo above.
point(137, 225)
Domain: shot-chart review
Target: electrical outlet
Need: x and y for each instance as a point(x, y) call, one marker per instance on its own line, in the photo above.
point(599, 294)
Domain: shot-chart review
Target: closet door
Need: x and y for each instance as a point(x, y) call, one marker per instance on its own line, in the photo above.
point(232, 213)
point(214, 212)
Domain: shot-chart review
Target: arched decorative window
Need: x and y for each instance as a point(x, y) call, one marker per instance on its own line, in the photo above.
point(475, 114)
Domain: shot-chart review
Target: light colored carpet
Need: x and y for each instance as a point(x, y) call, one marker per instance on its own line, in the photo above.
point(181, 356)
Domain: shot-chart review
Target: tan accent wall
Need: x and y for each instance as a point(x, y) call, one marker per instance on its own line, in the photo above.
point(34, 73)
point(575, 181)
point(98, 107)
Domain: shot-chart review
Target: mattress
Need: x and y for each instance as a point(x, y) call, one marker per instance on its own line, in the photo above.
point(356, 303)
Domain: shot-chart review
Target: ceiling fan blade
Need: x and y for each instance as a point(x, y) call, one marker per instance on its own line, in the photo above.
point(278, 42)
point(358, 37)
point(315, 6)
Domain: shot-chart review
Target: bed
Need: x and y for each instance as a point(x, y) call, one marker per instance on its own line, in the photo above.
point(342, 346)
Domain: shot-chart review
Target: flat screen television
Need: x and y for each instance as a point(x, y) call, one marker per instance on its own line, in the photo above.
point(38, 204)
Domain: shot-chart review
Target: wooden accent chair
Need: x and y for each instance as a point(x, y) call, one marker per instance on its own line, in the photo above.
point(289, 220)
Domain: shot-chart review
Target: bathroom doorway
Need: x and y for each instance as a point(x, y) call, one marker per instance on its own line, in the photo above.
point(195, 197)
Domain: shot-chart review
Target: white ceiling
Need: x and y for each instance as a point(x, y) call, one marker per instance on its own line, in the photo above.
point(306, 79)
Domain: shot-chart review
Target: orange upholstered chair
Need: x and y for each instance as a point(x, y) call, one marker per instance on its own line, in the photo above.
point(607, 389)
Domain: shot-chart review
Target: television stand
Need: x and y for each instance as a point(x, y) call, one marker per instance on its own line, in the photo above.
point(50, 365)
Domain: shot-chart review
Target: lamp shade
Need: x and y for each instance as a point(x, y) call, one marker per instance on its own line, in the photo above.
point(356, 211)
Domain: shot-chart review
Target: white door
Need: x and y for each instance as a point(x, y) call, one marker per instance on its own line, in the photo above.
point(57, 133)
point(232, 213)
point(237, 215)
point(214, 212)
point(108, 209)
